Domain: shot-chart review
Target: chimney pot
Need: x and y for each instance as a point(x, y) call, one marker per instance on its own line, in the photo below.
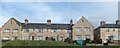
point(102, 23)
point(49, 22)
point(71, 22)
point(118, 22)
point(26, 21)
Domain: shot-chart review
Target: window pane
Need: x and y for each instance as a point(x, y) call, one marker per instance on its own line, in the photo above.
point(118, 29)
point(15, 30)
point(33, 30)
point(7, 30)
point(54, 30)
point(60, 30)
point(26, 37)
point(26, 30)
point(87, 36)
point(118, 37)
point(79, 29)
point(78, 37)
point(40, 37)
point(113, 29)
point(106, 29)
point(68, 31)
point(87, 29)
point(46, 30)
point(40, 30)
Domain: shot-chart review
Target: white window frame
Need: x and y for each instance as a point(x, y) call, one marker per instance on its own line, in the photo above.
point(40, 30)
point(87, 36)
point(33, 30)
point(118, 29)
point(46, 30)
point(54, 30)
point(40, 37)
point(79, 29)
point(68, 31)
point(106, 29)
point(114, 29)
point(26, 30)
point(87, 29)
point(15, 30)
point(79, 37)
point(26, 37)
point(6, 30)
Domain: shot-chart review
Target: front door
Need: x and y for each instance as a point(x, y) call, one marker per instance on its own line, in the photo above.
point(32, 37)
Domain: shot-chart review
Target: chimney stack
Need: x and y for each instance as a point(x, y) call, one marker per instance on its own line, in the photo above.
point(118, 22)
point(49, 22)
point(71, 22)
point(26, 21)
point(102, 23)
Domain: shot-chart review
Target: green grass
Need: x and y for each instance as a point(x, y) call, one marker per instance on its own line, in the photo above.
point(36, 43)
point(46, 44)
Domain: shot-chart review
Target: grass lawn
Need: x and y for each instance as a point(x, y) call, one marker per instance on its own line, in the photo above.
point(46, 44)
point(36, 43)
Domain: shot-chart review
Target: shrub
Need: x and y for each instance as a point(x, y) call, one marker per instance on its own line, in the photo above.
point(99, 41)
point(87, 40)
point(84, 42)
point(93, 41)
point(68, 40)
point(51, 39)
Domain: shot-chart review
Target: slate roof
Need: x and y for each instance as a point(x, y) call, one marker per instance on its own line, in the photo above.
point(43, 25)
point(16, 21)
point(110, 26)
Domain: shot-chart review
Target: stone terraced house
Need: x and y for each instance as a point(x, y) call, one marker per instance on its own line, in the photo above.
point(108, 32)
point(15, 30)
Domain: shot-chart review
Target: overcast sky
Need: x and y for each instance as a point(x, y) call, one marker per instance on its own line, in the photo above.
point(59, 12)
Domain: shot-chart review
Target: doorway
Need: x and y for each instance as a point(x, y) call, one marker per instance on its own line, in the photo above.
point(32, 37)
